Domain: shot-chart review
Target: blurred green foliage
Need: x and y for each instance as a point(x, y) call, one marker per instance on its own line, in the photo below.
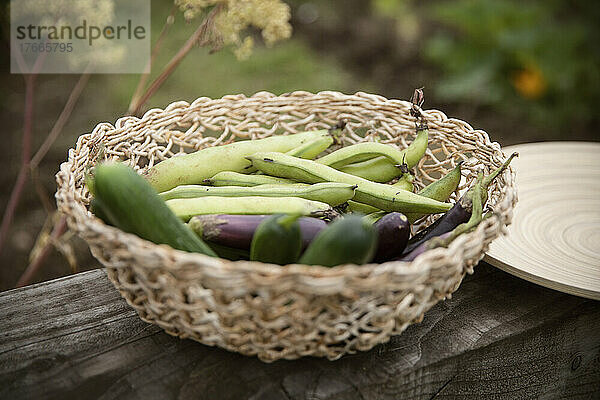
point(283, 68)
point(537, 58)
point(407, 20)
point(287, 66)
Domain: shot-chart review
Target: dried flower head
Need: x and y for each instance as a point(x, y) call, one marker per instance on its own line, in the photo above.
point(243, 51)
point(231, 25)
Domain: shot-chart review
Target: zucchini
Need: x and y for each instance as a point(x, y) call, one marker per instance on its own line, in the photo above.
point(348, 240)
point(277, 240)
point(129, 203)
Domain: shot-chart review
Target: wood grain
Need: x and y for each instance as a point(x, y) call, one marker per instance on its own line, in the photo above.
point(498, 337)
point(554, 239)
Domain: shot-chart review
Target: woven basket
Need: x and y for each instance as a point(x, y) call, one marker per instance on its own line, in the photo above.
point(262, 309)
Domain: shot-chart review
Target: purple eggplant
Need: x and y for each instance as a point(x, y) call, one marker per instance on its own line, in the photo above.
point(236, 231)
point(420, 249)
point(458, 214)
point(445, 239)
point(393, 231)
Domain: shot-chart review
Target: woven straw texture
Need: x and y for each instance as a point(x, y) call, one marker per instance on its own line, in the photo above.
point(266, 310)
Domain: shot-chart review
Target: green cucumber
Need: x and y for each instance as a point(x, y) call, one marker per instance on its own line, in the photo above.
point(348, 240)
point(229, 253)
point(99, 210)
point(277, 240)
point(132, 205)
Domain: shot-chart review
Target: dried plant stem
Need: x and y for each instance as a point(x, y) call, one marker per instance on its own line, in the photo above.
point(17, 191)
point(37, 158)
point(59, 228)
point(43, 195)
point(197, 38)
point(27, 162)
point(28, 118)
point(61, 120)
point(15, 195)
point(144, 77)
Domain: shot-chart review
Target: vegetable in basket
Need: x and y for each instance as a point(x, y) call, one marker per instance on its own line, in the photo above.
point(446, 238)
point(460, 212)
point(97, 209)
point(374, 216)
point(193, 168)
point(362, 152)
point(308, 150)
point(236, 231)
point(187, 208)
point(382, 196)
point(348, 240)
point(129, 203)
point(380, 169)
point(229, 253)
point(356, 207)
point(331, 193)
point(393, 231)
point(230, 178)
point(405, 182)
point(277, 240)
point(313, 148)
point(439, 190)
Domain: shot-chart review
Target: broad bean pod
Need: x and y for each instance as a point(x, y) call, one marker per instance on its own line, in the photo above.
point(331, 193)
point(384, 197)
point(187, 208)
point(193, 168)
point(381, 169)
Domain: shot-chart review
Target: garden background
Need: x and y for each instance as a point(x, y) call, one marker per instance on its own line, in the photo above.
point(522, 71)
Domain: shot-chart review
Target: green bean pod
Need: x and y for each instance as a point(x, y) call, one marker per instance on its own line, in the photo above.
point(405, 182)
point(376, 170)
point(187, 208)
point(361, 152)
point(331, 193)
point(374, 216)
point(381, 169)
point(229, 178)
point(308, 150)
point(384, 197)
point(439, 190)
point(355, 207)
point(193, 168)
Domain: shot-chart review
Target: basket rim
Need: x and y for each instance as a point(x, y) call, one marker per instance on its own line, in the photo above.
point(420, 266)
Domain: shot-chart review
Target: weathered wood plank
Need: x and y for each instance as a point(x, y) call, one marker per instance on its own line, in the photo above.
point(498, 337)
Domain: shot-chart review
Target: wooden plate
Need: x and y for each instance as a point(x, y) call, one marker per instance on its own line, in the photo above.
point(554, 239)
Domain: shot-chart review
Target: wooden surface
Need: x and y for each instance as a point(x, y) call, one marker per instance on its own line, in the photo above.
point(498, 337)
point(554, 239)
